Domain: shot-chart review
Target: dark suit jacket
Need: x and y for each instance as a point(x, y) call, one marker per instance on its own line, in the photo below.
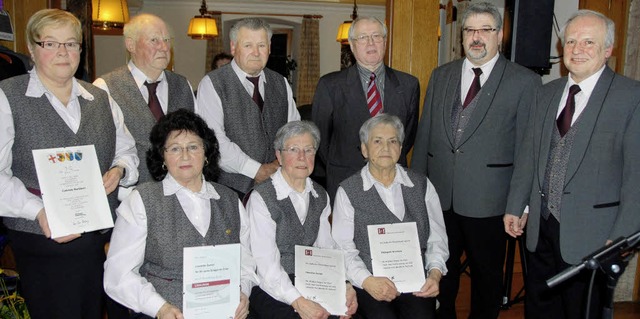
point(601, 198)
point(474, 177)
point(339, 110)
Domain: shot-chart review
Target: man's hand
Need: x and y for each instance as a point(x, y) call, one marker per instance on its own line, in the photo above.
point(243, 308)
point(352, 302)
point(44, 225)
point(380, 288)
point(112, 178)
point(431, 287)
point(308, 309)
point(169, 311)
point(514, 225)
point(266, 170)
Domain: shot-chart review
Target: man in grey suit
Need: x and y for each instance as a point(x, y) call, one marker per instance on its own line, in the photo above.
point(578, 170)
point(474, 117)
point(344, 100)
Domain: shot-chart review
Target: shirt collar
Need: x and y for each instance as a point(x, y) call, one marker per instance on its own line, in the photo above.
point(366, 73)
point(35, 88)
point(486, 68)
point(139, 76)
point(283, 190)
point(369, 181)
point(242, 75)
point(170, 187)
point(587, 85)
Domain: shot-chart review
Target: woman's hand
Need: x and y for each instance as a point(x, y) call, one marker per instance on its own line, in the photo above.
point(431, 287)
point(352, 302)
point(243, 308)
point(380, 288)
point(112, 178)
point(308, 309)
point(44, 225)
point(169, 311)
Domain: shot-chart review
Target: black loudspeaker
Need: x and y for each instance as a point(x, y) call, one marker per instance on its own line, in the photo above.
point(527, 33)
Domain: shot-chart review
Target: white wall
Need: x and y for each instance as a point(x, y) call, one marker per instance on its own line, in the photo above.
point(189, 54)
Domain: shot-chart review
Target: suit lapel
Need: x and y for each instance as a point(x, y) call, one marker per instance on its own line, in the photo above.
point(548, 129)
point(354, 95)
point(451, 96)
point(392, 90)
point(588, 119)
point(485, 98)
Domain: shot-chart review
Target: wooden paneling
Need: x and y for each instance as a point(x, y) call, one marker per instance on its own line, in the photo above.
point(20, 11)
point(618, 11)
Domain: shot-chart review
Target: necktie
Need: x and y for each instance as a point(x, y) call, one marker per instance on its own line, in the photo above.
point(474, 89)
point(256, 91)
point(373, 97)
point(154, 103)
point(564, 120)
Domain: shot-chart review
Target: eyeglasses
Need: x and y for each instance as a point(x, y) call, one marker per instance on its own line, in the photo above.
point(364, 39)
point(483, 31)
point(294, 150)
point(192, 149)
point(54, 45)
point(585, 44)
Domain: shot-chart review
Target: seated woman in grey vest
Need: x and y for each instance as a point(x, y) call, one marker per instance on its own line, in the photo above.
point(289, 209)
point(384, 192)
point(144, 265)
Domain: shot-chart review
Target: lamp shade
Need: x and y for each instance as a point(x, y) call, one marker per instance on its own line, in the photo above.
point(343, 32)
point(108, 14)
point(202, 27)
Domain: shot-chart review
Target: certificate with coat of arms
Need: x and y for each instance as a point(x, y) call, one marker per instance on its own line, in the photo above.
point(211, 281)
point(395, 254)
point(71, 186)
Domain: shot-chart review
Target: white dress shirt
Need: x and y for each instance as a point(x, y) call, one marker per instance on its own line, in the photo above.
point(343, 223)
point(122, 280)
point(209, 107)
point(18, 201)
point(162, 91)
point(468, 75)
point(581, 98)
point(273, 279)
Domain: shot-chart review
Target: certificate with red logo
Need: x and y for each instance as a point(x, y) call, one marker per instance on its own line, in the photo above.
point(211, 281)
point(72, 191)
point(320, 277)
point(396, 254)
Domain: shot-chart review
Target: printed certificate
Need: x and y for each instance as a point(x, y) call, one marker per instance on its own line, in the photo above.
point(72, 191)
point(320, 277)
point(211, 281)
point(396, 254)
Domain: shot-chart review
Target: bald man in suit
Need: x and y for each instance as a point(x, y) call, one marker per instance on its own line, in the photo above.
point(578, 170)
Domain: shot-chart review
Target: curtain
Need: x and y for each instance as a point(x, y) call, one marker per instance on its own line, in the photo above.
point(215, 45)
point(632, 60)
point(309, 64)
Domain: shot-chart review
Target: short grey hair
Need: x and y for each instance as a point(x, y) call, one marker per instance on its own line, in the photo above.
point(609, 37)
point(381, 119)
point(296, 128)
point(132, 28)
point(483, 8)
point(254, 24)
point(366, 18)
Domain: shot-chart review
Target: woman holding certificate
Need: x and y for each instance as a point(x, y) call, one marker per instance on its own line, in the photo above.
point(144, 267)
point(289, 209)
point(49, 109)
point(374, 213)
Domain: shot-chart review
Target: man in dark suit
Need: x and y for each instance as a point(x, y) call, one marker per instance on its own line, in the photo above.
point(344, 100)
point(578, 170)
point(474, 117)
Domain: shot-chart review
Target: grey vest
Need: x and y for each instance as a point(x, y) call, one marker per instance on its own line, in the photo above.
point(289, 230)
point(460, 116)
point(137, 116)
point(556, 170)
point(38, 126)
point(251, 130)
point(369, 209)
point(169, 231)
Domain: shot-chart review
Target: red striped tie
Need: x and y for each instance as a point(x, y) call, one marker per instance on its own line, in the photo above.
point(373, 97)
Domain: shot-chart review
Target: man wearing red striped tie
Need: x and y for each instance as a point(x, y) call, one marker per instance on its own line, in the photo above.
point(345, 99)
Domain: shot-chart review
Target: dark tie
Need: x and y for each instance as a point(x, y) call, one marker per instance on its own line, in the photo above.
point(564, 120)
point(373, 97)
point(474, 88)
point(154, 103)
point(256, 91)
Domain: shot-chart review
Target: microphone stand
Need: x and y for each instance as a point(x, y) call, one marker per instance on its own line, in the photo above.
point(611, 259)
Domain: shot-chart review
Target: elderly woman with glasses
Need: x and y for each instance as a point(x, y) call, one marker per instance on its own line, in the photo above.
point(384, 192)
point(144, 266)
point(289, 209)
point(49, 108)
